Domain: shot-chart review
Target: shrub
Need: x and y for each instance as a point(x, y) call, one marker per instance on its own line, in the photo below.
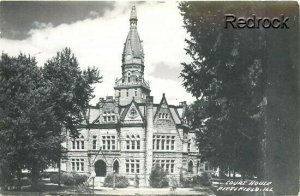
point(158, 178)
point(203, 180)
point(120, 181)
point(68, 178)
point(6, 177)
point(80, 179)
point(188, 182)
point(47, 174)
point(54, 178)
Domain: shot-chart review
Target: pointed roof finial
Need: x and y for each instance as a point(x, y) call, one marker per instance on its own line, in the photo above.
point(133, 16)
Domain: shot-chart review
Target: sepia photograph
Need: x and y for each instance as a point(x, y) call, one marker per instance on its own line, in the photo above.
point(149, 98)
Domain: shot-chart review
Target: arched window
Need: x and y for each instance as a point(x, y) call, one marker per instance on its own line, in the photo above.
point(138, 142)
point(116, 166)
point(132, 142)
point(190, 167)
point(82, 142)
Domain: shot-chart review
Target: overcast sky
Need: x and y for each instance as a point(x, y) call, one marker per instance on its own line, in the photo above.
point(96, 32)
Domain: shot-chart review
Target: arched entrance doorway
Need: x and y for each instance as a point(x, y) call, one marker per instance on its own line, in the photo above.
point(190, 167)
point(116, 166)
point(100, 168)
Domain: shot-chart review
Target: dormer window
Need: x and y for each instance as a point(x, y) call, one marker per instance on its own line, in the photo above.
point(163, 115)
point(128, 79)
point(109, 116)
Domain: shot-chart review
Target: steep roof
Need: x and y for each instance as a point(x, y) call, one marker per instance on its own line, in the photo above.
point(133, 44)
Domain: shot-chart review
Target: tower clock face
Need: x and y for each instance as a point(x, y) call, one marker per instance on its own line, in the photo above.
point(128, 57)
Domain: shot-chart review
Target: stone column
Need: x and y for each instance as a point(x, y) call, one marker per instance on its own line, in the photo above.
point(149, 139)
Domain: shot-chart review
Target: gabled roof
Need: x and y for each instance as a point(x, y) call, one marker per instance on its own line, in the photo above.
point(164, 103)
point(133, 104)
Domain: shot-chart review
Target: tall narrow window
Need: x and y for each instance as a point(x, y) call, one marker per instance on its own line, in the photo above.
point(173, 143)
point(113, 143)
point(190, 167)
point(82, 144)
point(94, 142)
point(138, 145)
point(172, 166)
point(137, 166)
point(168, 143)
point(157, 144)
point(119, 93)
point(77, 165)
point(77, 143)
point(73, 164)
point(103, 142)
point(127, 93)
point(162, 142)
point(127, 144)
point(135, 92)
point(73, 145)
point(108, 143)
point(82, 165)
point(167, 165)
point(127, 166)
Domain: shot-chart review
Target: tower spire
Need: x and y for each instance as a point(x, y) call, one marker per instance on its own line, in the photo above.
point(132, 82)
point(133, 17)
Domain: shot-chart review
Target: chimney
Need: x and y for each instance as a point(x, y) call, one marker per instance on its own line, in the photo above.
point(101, 99)
point(109, 98)
point(149, 101)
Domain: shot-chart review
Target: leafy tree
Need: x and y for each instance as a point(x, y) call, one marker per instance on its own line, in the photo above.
point(70, 88)
point(226, 77)
point(249, 79)
point(29, 134)
point(158, 177)
point(36, 104)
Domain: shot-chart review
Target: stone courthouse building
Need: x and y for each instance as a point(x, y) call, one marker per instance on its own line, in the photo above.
point(128, 134)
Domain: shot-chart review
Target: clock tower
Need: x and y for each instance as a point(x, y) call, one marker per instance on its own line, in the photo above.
point(132, 84)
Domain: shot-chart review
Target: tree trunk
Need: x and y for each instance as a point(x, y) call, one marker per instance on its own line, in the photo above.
point(19, 176)
point(282, 114)
point(59, 173)
point(35, 173)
